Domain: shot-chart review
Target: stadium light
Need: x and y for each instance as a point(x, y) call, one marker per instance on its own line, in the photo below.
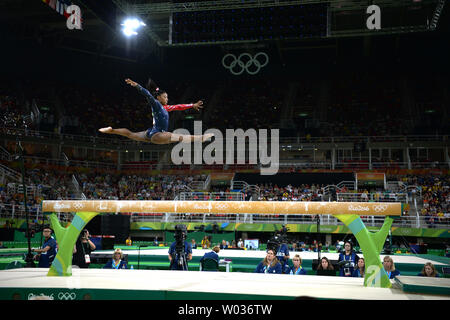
point(130, 26)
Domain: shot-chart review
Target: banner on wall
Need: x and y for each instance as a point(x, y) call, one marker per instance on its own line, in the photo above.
point(305, 228)
point(367, 179)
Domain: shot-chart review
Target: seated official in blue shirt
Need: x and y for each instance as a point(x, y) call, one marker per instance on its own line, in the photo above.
point(117, 261)
point(325, 268)
point(212, 255)
point(389, 267)
point(224, 245)
point(359, 272)
point(297, 269)
point(49, 249)
point(429, 270)
point(270, 264)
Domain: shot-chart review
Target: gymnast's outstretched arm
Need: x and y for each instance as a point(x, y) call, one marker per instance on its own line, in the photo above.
point(141, 89)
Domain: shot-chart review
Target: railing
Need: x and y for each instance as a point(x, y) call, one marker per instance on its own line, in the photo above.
point(5, 155)
point(305, 164)
point(244, 186)
point(373, 197)
point(370, 221)
point(288, 141)
point(198, 185)
point(349, 185)
point(79, 194)
point(8, 172)
point(396, 186)
point(282, 165)
point(14, 188)
point(144, 165)
point(282, 140)
point(75, 163)
point(17, 211)
point(66, 137)
point(344, 139)
point(361, 165)
point(207, 182)
point(214, 196)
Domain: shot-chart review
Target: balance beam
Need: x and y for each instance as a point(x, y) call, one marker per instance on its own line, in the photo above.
point(226, 207)
point(348, 212)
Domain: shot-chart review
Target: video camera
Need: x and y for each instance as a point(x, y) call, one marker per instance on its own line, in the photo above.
point(180, 237)
point(277, 239)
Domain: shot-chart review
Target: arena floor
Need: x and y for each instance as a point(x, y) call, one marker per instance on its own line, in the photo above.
point(193, 285)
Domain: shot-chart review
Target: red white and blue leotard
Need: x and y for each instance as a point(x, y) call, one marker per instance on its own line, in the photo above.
point(160, 113)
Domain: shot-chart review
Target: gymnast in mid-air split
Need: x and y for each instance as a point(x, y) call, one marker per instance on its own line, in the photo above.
point(158, 134)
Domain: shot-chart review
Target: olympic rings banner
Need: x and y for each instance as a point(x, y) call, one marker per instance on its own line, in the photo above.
point(245, 62)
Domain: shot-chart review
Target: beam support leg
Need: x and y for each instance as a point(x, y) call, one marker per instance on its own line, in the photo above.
point(66, 238)
point(371, 245)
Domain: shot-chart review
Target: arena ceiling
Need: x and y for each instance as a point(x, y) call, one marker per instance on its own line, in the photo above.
point(34, 20)
point(101, 32)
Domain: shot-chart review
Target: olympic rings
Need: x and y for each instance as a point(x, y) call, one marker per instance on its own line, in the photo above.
point(67, 296)
point(380, 208)
point(246, 63)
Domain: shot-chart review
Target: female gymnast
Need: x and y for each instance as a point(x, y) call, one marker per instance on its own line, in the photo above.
point(158, 134)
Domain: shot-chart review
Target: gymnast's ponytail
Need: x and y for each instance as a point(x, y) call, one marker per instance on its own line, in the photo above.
point(152, 87)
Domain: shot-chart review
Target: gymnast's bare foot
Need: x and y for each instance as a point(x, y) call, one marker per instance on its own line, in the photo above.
point(106, 130)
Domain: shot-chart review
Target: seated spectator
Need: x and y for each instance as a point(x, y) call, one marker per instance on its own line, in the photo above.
point(325, 268)
point(224, 245)
point(429, 270)
point(389, 267)
point(211, 255)
point(206, 243)
point(117, 261)
point(359, 272)
point(297, 266)
point(270, 264)
point(193, 244)
point(128, 242)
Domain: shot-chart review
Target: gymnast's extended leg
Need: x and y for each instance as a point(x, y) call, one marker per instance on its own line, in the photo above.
point(137, 136)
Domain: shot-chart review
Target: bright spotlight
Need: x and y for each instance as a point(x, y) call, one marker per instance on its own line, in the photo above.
point(130, 26)
point(129, 32)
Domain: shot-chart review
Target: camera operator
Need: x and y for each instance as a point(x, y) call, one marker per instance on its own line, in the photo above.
point(47, 254)
point(82, 251)
point(347, 260)
point(283, 257)
point(282, 249)
point(180, 251)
